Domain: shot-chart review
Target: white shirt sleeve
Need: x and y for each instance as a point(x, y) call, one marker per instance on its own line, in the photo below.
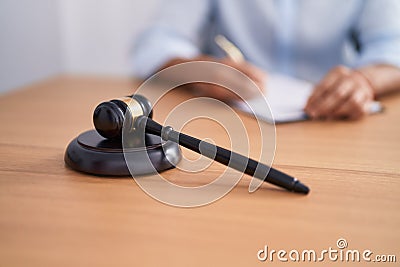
point(175, 33)
point(378, 29)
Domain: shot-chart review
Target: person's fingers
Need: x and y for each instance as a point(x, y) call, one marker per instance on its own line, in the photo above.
point(348, 96)
point(259, 77)
point(214, 91)
point(237, 86)
point(333, 98)
point(253, 72)
point(325, 84)
point(343, 111)
point(248, 86)
point(256, 74)
point(353, 107)
point(360, 104)
point(315, 106)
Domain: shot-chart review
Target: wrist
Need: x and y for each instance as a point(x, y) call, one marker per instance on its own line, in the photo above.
point(384, 78)
point(363, 75)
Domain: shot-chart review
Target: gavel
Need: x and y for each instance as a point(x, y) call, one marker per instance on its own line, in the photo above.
point(134, 115)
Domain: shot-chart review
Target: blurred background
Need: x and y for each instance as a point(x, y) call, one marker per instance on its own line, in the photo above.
point(43, 38)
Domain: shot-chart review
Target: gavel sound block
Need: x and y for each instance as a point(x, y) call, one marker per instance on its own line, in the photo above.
point(93, 153)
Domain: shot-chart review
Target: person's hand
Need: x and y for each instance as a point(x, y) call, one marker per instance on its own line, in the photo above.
point(246, 87)
point(342, 93)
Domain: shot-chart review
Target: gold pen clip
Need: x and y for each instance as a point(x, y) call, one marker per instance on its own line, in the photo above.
point(229, 48)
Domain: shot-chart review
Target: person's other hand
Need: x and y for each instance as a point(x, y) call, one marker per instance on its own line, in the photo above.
point(246, 88)
point(342, 93)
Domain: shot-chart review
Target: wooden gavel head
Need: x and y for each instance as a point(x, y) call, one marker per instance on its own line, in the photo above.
point(109, 117)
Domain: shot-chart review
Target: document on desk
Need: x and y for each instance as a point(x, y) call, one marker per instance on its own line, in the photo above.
point(287, 98)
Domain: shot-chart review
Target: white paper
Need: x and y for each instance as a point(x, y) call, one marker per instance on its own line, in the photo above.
point(287, 98)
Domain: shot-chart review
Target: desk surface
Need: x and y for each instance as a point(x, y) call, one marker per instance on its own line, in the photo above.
point(53, 216)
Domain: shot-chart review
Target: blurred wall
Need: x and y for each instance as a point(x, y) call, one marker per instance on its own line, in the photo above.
point(98, 34)
point(30, 47)
point(42, 38)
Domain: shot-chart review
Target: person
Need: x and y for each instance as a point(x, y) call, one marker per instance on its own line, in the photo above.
point(350, 49)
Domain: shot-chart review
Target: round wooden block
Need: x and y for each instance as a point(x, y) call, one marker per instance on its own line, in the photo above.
point(91, 153)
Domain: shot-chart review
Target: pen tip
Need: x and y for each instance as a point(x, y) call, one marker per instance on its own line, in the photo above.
point(301, 188)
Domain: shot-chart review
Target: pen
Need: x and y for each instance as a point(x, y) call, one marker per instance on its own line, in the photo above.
point(226, 157)
point(232, 51)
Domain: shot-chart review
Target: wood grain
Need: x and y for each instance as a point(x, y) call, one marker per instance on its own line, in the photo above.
point(53, 216)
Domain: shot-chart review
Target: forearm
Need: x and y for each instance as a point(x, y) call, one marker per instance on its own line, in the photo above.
point(382, 77)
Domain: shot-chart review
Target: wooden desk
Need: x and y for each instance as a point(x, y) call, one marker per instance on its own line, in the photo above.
point(53, 216)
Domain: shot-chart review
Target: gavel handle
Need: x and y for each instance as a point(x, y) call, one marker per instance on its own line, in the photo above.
point(224, 156)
